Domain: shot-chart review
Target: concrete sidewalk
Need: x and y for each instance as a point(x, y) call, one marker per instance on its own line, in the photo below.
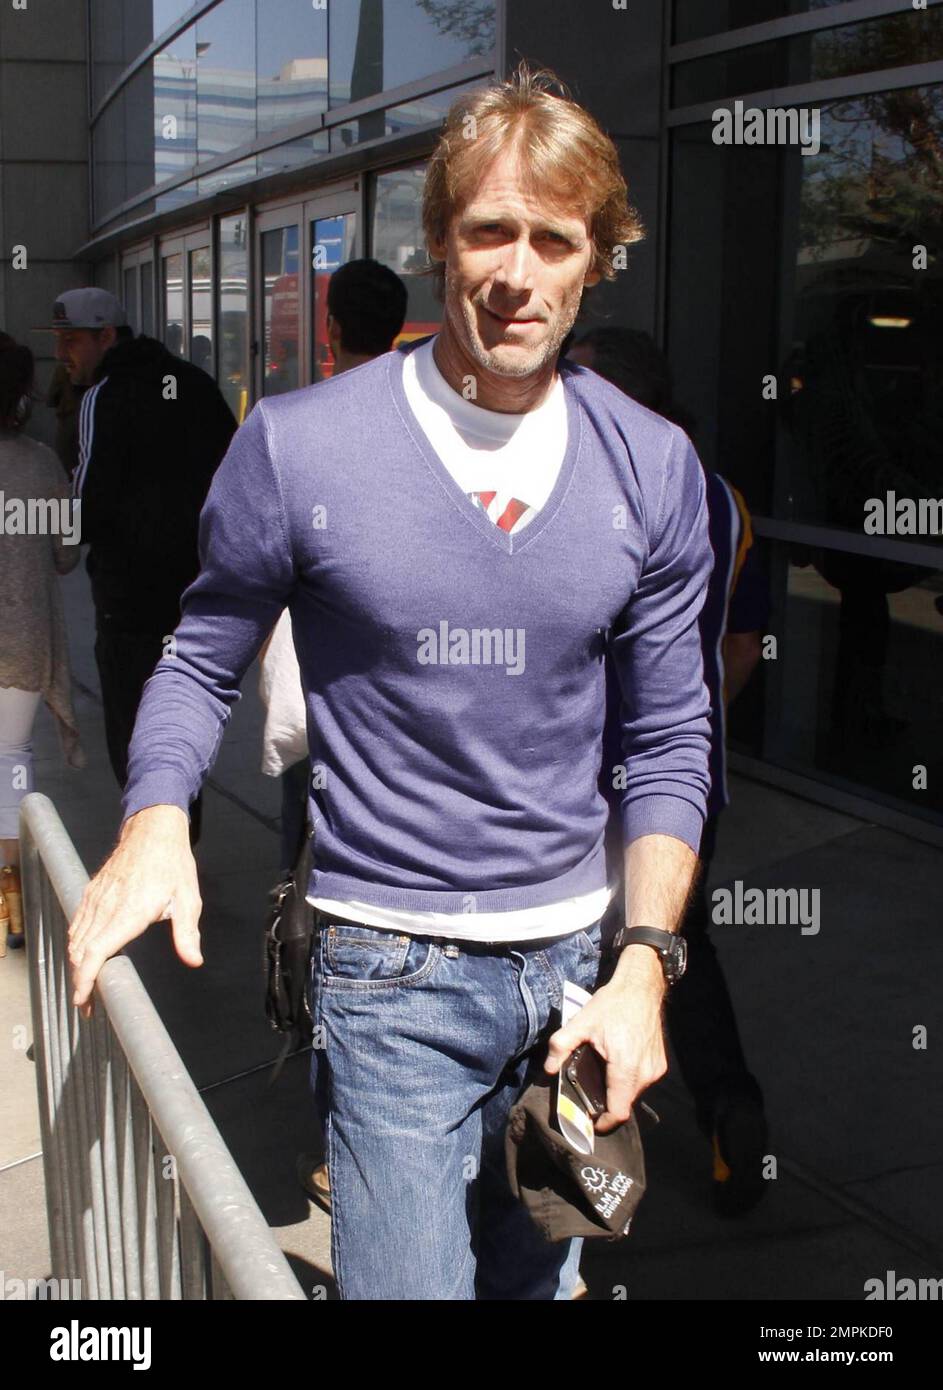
point(827, 1022)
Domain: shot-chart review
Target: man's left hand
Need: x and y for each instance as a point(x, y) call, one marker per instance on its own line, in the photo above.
point(622, 1021)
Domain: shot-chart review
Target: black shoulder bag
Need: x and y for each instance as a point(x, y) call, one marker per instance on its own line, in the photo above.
point(288, 941)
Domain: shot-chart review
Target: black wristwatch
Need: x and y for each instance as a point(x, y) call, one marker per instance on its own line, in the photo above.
point(672, 948)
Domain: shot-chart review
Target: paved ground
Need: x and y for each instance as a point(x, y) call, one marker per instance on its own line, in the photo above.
point(827, 1021)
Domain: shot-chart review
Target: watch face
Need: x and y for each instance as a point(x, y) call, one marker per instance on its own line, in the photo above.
point(679, 955)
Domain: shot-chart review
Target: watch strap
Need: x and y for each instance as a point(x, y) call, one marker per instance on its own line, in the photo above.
point(644, 936)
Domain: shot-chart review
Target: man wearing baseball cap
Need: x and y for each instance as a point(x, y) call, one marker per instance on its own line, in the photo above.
point(152, 430)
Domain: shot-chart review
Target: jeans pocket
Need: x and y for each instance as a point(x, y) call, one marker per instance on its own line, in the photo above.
point(355, 957)
point(590, 941)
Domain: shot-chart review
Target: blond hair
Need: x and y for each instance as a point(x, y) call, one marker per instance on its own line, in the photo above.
point(564, 154)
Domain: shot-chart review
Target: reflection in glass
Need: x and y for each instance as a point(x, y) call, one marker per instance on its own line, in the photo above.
point(121, 30)
point(234, 314)
point(696, 19)
point(147, 298)
point(123, 145)
point(201, 309)
point(805, 269)
point(225, 54)
point(175, 106)
point(229, 176)
point(332, 244)
point(281, 307)
point(408, 115)
point(892, 41)
point(130, 295)
point(376, 44)
point(172, 281)
point(860, 655)
point(398, 242)
point(292, 65)
point(177, 197)
point(294, 152)
point(865, 412)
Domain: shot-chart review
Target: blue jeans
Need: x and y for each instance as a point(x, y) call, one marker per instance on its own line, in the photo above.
point(426, 1044)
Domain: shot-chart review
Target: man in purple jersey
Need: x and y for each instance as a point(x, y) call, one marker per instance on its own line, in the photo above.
point(455, 528)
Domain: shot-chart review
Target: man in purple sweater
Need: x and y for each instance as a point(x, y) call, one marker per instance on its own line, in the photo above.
point(454, 527)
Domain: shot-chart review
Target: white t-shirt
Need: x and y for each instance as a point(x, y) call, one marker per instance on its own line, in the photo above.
point(507, 465)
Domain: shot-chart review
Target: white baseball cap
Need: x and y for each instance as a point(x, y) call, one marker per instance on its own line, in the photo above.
point(88, 308)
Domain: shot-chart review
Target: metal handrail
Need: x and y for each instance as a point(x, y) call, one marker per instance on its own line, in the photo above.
point(143, 1198)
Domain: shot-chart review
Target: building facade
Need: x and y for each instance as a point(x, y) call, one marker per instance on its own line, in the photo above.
point(213, 163)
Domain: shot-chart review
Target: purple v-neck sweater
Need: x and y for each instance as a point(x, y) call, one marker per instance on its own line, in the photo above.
point(454, 673)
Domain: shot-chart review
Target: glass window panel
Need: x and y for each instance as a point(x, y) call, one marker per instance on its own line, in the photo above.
point(294, 152)
point(398, 241)
point(855, 693)
point(172, 282)
point(121, 30)
point(175, 107)
point(139, 127)
point(233, 283)
point(332, 244)
point(147, 298)
point(409, 115)
point(177, 197)
point(225, 52)
point(697, 19)
point(166, 12)
point(291, 65)
point(376, 44)
point(230, 176)
point(804, 268)
point(424, 110)
point(893, 41)
point(130, 295)
point(281, 308)
point(201, 308)
point(124, 146)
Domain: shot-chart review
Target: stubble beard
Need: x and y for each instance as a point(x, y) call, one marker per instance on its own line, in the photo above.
point(523, 363)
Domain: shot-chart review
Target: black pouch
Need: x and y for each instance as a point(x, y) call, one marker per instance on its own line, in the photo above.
point(288, 944)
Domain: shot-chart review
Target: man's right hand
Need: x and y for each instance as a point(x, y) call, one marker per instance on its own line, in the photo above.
point(150, 876)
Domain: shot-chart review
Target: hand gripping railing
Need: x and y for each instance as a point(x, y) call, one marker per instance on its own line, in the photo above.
point(143, 1198)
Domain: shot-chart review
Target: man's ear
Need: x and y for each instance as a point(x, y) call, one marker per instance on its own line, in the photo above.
point(592, 277)
point(436, 248)
point(109, 336)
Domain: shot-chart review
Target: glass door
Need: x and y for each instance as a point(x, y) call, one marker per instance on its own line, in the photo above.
point(298, 248)
point(332, 240)
point(278, 302)
point(137, 288)
point(186, 291)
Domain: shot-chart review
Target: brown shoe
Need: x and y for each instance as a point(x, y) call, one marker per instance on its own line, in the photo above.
point(10, 888)
point(313, 1177)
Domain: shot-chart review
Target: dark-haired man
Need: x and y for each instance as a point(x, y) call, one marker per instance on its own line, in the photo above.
point(152, 431)
point(366, 307)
